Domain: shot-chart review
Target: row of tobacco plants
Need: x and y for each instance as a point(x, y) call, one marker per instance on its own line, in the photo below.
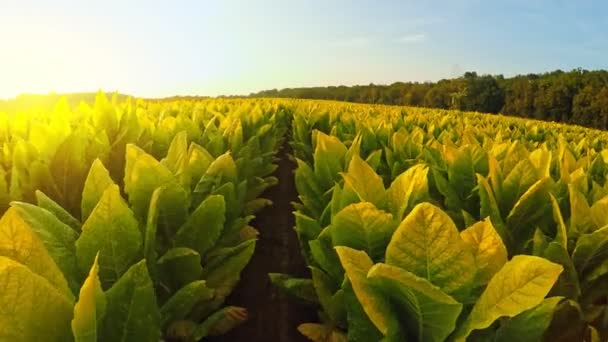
point(130, 221)
point(429, 225)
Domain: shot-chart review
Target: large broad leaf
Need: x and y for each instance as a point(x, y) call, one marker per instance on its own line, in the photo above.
point(518, 181)
point(431, 314)
point(357, 264)
point(142, 176)
point(32, 308)
point(461, 172)
point(224, 268)
point(181, 303)
point(113, 231)
point(599, 213)
point(488, 249)
point(19, 243)
point(177, 156)
point(90, 309)
point(590, 250)
point(580, 213)
point(359, 325)
point(529, 209)
point(47, 203)
point(427, 243)
point(364, 227)
point(364, 181)
point(407, 190)
point(520, 285)
point(69, 168)
point(199, 160)
point(222, 170)
point(328, 159)
point(530, 325)
point(57, 237)
point(96, 183)
point(131, 311)
point(204, 226)
point(178, 267)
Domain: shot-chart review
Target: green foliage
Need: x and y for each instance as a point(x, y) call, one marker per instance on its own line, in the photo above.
point(139, 269)
point(471, 198)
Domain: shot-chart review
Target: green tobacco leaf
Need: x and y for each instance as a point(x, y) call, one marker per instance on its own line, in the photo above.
point(32, 308)
point(427, 243)
point(530, 325)
point(461, 172)
point(518, 181)
point(568, 284)
point(407, 190)
point(143, 175)
point(561, 236)
point(306, 183)
point(172, 210)
point(177, 156)
point(183, 301)
point(131, 311)
point(306, 227)
point(204, 226)
point(489, 208)
point(223, 270)
point(90, 309)
point(57, 237)
point(300, 288)
point(590, 250)
point(520, 285)
point(321, 333)
point(19, 242)
point(69, 167)
point(47, 203)
point(329, 296)
point(489, 251)
point(357, 264)
point(96, 183)
point(324, 255)
point(452, 201)
point(580, 213)
point(150, 253)
point(328, 159)
point(599, 211)
point(199, 160)
point(431, 314)
point(359, 326)
point(178, 267)
point(529, 209)
point(113, 231)
point(222, 170)
point(364, 227)
point(365, 182)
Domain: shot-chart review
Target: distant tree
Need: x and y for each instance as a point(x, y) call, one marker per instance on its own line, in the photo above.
point(578, 96)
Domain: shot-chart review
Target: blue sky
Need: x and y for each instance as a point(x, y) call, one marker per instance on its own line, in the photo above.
point(163, 48)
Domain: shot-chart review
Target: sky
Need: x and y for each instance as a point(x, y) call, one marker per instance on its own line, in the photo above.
point(161, 48)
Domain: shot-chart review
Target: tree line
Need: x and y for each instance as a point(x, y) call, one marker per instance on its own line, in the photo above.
point(577, 97)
